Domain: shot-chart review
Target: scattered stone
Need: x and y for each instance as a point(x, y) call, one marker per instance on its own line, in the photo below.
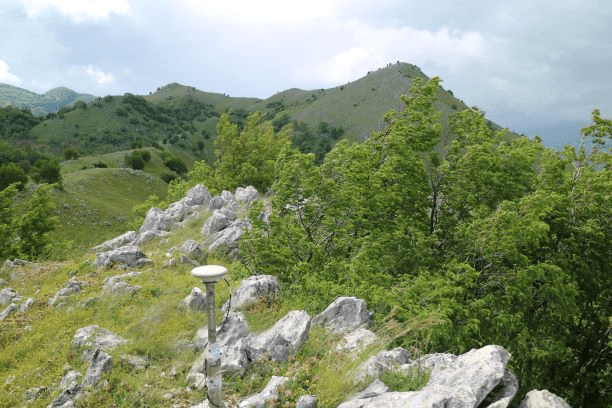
point(122, 240)
point(269, 393)
point(252, 290)
point(227, 239)
point(70, 380)
point(115, 285)
point(73, 286)
point(196, 301)
point(191, 248)
point(196, 380)
point(129, 255)
point(246, 195)
point(356, 341)
point(9, 380)
point(188, 261)
point(26, 305)
point(94, 337)
point(100, 363)
point(71, 389)
point(381, 362)
point(282, 340)
point(136, 363)
point(149, 235)
point(8, 296)
point(32, 394)
point(219, 220)
point(215, 203)
point(9, 309)
point(375, 389)
point(543, 399)
point(344, 315)
point(306, 401)
point(89, 302)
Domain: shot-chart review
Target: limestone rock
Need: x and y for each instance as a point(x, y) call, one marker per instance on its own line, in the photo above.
point(356, 341)
point(215, 203)
point(9, 309)
point(375, 389)
point(191, 248)
point(124, 239)
point(32, 394)
point(72, 287)
point(100, 363)
point(116, 285)
point(94, 337)
point(227, 238)
point(196, 300)
point(269, 393)
point(543, 399)
point(246, 195)
point(306, 401)
point(8, 296)
point(252, 290)
point(198, 196)
point(219, 220)
point(283, 339)
point(383, 361)
point(129, 255)
point(136, 363)
point(344, 315)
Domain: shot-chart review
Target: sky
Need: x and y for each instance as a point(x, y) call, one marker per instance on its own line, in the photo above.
point(537, 67)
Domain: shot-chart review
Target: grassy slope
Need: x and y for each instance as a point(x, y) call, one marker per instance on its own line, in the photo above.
point(35, 347)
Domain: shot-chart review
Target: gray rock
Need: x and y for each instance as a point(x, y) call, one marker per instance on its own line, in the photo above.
point(228, 199)
point(219, 220)
point(9, 309)
point(149, 235)
point(136, 363)
point(8, 296)
point(196, 380)
point(502, 394)
point(32, 394)
point(543, 399)
point(228, 238)
point(282, 340)
point(100, 363)
point(156, 220)
point(375, 389)
point(199, 196)
point(215, 203)
point(381, 362)
point(231, 340)
point(122, 240)
point(94, 337)
point(356, 341)
point(269, 393)
point(306, 401)
point(252, 290)
point(464, 384)
point(246, 195)
point(73, 286)
point(116, 285)
point(344, 315)
point(70, 380)
point(191, 248)
point(129, 255)
point(26, 305)
point(196, 300)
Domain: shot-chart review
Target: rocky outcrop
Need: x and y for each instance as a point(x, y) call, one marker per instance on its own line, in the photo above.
point(196, 300)
point(72, 287)
point(93, 337)
point(282, 340)
point(252, 290)
point(116, 285)
point(543, 399)
point(465, 383)
point(128, 238)
point(344, 315)
point(269, 393)
point(130, 256)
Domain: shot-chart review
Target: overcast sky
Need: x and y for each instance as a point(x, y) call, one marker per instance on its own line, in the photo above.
point(530, 65)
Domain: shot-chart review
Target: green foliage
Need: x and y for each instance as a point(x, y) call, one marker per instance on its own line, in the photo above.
point(71, 153)
point(47, 171)
point(414, 380)
point(489, 240)
point(11, 173)
point(174, 163)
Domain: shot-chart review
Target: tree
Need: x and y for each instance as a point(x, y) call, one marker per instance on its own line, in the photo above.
point(7, 214)
point(47, 171)
point(34, 226)
point(11, 173)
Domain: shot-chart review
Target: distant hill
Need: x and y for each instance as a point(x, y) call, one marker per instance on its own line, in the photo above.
point(50, 101)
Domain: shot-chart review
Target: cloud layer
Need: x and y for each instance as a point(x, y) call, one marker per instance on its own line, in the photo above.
point(523, 62)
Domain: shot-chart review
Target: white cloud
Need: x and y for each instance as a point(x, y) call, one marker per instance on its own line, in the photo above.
point(375, 47)
point(6, 76)
point(78, 10)
point(101, 78)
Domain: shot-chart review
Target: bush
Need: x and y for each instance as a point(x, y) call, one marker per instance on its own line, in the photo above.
point(71, 153)
point(11, 173)
point(135, 161)
point(174, 163)
point(47, 171)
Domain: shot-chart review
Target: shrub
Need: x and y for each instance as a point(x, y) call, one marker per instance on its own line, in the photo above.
point(11, 173)
point(135, 161)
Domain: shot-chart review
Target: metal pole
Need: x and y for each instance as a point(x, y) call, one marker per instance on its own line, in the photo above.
point(213, 353)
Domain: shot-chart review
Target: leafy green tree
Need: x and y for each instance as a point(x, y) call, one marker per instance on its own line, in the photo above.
point(135, 161)
point(34, 226)
point(11, 173)
point(48, 171)
point(7, 214)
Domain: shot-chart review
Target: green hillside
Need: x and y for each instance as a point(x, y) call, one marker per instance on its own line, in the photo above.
point(50, 101)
